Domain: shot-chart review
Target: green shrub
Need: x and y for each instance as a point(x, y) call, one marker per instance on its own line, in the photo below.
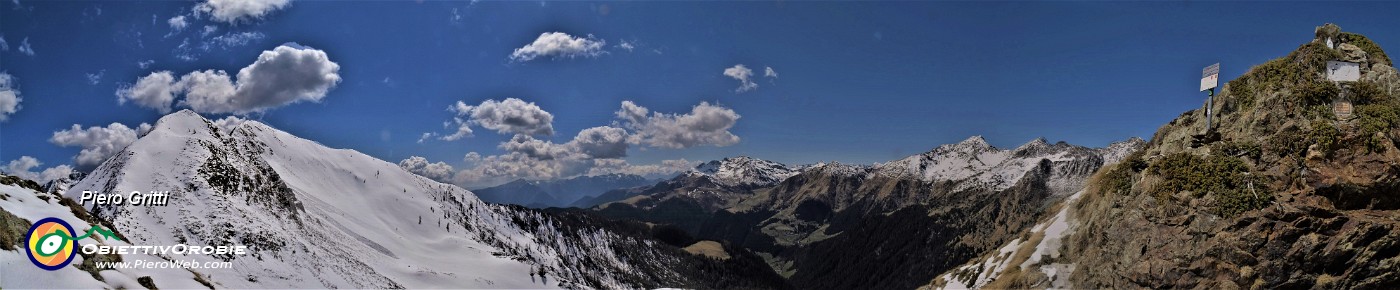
point(1242, 92)
point(1316, 93)
point(1226, 177)
point(1367, 92)
point(1377, 118)
point(1325, 136)
point(1119, 179)
point(1289, 141)
point(1374, 118)
point(1373, 51)
point(1239, 149)
point(1274, 74)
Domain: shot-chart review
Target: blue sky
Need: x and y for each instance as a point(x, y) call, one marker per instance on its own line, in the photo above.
point(856, 82)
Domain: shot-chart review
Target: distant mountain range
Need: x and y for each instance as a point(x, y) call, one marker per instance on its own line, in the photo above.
point(559, 193)
point(893, 225)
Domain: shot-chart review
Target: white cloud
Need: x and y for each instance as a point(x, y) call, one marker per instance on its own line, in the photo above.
point(511, 116)
point(742, 74)
point(145, 64)
point(95, 78)
point(602, 142)
point(208, 91)
point(227, 124)
point(538, 149)
point(593, 151)
point(559, 44)
point(440, 171)
point(464, 130)
point(178, 23)
point(285, 75)
point(25, 48)
point(663, 169)
point(426, 136)
point(233, 39)
point(4, 45)
point(626, 45)
point(21, 168)
point(234, 11)
point(591, 143)
point(769, 72)
point(705, 125)
point(9, 97)
point(98, 143)
point(156, 91)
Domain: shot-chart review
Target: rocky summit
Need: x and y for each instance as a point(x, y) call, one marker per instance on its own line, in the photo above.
point(1293, 194)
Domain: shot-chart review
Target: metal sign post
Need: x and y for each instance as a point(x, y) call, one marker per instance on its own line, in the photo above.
point(1210, 78)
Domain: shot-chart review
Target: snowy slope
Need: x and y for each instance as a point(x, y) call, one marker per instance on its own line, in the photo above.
point(320, 217)
point(16, 271)
point(1025, 255)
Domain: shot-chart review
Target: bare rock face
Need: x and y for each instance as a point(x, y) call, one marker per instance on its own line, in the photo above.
point(1352, 53)
point(1289, 197)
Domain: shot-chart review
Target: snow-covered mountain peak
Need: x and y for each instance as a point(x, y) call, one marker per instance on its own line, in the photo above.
point(318, 217)
point(974, 163)
point(184, 122)
point(1116, 151)
point(1036, 144)
point(745, 171)
point(974, 142)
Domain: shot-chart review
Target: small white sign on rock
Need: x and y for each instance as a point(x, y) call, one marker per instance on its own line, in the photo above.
point(1341, 71)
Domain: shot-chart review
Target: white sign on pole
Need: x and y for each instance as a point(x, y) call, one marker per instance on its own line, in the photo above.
point(1341, 71)
point(1210, 77)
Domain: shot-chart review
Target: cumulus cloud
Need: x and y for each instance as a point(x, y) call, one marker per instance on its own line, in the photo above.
point(497, 169)
point(742, 74)
point(440, 171)
point(537, 149)
point(25, 48)
point(4, 45)
point(227, 124)
point(619, 166)
point(706, 124)
point(21, 167)
point(178, 23)
point(591, 143)
point(592, 151)
point(9, 97)
point(234, 11)
point(511, 116)
point(97, 143)
point(769, 72)
point(155, 91)
point(602, 142)
point(145, 64)
point(559, 44)
point(285, 75)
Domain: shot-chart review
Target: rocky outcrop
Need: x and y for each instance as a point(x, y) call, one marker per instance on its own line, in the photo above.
point(1289, 196)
